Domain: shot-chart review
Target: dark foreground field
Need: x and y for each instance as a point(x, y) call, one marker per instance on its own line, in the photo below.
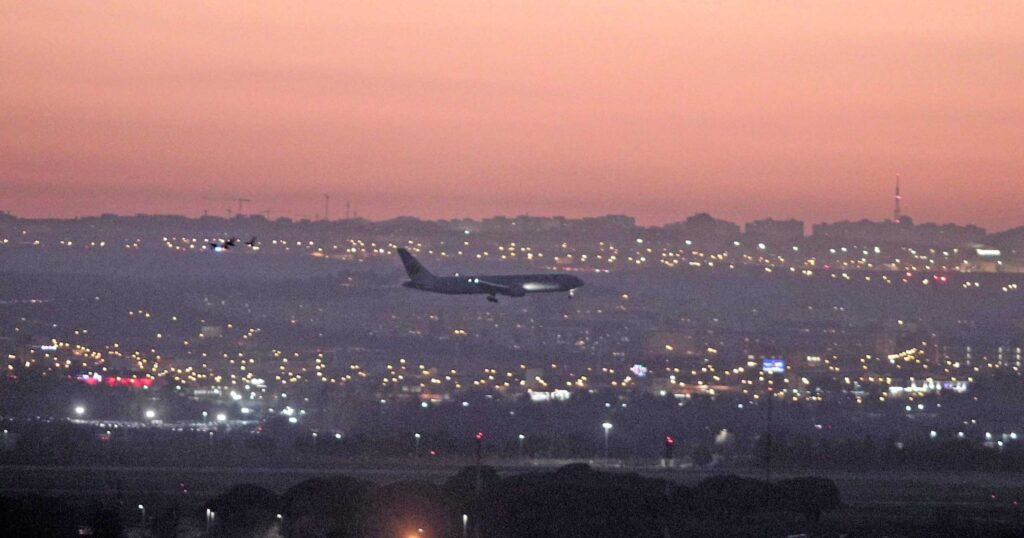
point(406, 500)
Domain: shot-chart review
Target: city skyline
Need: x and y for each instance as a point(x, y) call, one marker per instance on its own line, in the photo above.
point(463, 109)
point(349, 212)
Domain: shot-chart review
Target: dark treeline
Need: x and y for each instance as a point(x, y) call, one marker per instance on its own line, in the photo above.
point(572, 501)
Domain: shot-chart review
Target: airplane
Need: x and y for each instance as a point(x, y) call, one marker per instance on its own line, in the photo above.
point(491, 285)
point(223, 245)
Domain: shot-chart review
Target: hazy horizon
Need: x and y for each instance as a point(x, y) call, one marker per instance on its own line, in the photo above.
point(658, 110)
point(334, 217)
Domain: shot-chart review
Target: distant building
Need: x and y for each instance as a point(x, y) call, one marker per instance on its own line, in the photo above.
point(704, 226)
point(986, 259)
point(904, 232)
point(918, 387)
point(775, 230)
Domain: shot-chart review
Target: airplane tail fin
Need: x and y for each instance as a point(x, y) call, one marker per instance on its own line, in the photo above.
point(413, 267)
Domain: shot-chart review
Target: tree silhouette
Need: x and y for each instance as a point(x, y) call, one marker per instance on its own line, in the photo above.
point(337, 506)
point(245, 510)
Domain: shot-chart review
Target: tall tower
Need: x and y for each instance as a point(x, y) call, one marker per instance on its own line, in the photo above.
point(897, 213)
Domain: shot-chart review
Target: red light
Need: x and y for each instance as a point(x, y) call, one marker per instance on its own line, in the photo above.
point(669, 440)
point(479, 436)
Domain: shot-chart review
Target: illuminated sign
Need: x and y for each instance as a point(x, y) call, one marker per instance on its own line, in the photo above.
point(117, 381)
point(989, 252)
point(773, 366)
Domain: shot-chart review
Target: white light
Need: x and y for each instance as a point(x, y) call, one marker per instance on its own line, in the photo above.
point(292, 420)
point(221, 417)
point(79, 410)
point(150, 414)
point(607, 426)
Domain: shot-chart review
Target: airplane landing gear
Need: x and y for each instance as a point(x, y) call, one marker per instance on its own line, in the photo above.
point(492, 298)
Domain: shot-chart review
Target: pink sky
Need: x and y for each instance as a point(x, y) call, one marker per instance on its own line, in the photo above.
point(454, 108)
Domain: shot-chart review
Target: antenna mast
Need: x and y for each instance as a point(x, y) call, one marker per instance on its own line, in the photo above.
point(897, 213)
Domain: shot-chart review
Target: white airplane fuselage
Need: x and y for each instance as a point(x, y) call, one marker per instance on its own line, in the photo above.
point(490, 285)
point(511, 285)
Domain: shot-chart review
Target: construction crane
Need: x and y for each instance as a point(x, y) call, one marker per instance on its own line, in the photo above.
point(241, 201)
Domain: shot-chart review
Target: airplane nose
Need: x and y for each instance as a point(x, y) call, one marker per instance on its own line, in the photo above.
point(577, 282)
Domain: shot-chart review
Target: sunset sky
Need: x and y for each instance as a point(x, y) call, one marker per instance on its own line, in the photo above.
point(452, 108)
